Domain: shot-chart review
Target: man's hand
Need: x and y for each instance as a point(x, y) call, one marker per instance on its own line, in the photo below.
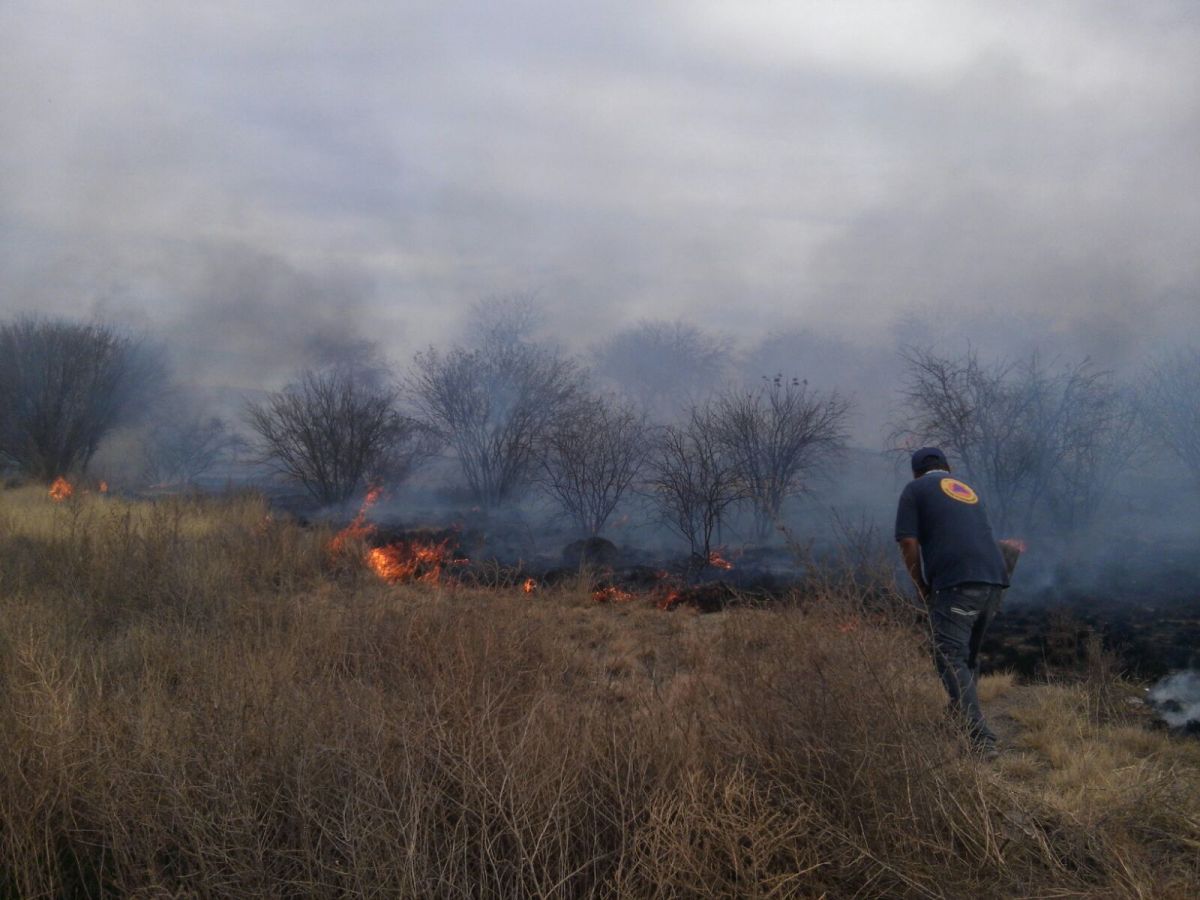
point(911, 551)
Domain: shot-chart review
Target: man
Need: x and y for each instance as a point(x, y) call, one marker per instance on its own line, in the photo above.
point(954, 561)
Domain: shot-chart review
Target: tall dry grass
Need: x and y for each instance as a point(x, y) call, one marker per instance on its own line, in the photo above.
point(194, 703)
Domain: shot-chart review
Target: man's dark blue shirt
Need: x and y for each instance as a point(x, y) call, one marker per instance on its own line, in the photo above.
point(948, 520)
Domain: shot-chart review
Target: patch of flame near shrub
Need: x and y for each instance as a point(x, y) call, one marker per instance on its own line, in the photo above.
point(402, 561)
point(359, 528)
point(669, 599)
point(412, 561)
point(613, 595)
point(61, 490)
point(717, 561)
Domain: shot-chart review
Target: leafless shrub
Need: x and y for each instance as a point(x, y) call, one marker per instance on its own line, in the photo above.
point(695, 480)
point(179, 450)
point(1171, 406)
point(493, 404)
point(589, 460)
point(664, 367)
point(333, 433)
point(1040, 441)
point(857, 560)
point(777, 434)
point(64, 387)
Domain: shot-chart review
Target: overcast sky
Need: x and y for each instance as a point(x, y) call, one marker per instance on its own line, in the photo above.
point(253, 179)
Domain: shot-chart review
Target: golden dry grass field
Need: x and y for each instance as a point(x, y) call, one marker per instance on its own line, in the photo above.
point(195, 701)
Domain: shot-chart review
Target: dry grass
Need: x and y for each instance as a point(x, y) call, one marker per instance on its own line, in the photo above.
point(195, 704)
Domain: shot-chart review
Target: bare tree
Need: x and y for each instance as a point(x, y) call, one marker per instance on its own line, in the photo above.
point(590, 458)
point(64, 387)
point(180, 450)
point(1039, 441)
point(664, 367)
point(694, 480)
point(334, 434)
point(1171, 406)
point(777, 434)
point(493, 405)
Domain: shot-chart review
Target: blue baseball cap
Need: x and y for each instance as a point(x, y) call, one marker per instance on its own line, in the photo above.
point(929, 458)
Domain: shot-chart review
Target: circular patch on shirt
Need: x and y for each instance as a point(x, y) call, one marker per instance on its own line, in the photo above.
point(959, 491)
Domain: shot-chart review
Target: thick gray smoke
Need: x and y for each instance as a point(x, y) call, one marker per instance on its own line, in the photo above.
point(248, 181)
point(806, 187)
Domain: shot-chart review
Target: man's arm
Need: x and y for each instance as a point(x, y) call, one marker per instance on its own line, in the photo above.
point(911, 551)
point(907, 529)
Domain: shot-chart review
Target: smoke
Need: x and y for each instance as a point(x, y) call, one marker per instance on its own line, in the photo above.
point(808, 189)
point(250, 318)
point(1177, 699)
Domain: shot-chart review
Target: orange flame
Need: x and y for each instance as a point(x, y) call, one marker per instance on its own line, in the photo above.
point(529, 586)
point(412, 561)
point(612, 595)
point(359, 528)
point(717, 561)
point(402, 561)
point(61, 490)
point(669, 599)
point(104, 487)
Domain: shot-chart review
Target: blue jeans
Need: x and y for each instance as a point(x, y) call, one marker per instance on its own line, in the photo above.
point(960, 616)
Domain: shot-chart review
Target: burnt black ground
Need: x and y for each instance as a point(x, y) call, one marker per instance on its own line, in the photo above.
point(1149, 639)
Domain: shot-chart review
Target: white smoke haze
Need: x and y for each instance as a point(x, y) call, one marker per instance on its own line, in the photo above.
point(267, 187)
point(1177, 698)
point(835, 167)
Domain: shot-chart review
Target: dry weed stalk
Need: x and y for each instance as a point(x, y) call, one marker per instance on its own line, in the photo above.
point(192, 705)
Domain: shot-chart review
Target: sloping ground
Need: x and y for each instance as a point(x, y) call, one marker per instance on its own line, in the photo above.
point(195, 701)
point(1094, 753)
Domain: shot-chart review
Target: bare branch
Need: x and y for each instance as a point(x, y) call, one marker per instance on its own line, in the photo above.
point(1041, 442)
point(695, 481)
point(777, 435)
point(590, 458)
point(1171, 406)
point(64, 387)
point(493, 405)
point(182, 449)
point(335, 434)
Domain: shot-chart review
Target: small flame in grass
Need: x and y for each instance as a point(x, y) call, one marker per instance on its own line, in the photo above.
point(670, 600)
point(103, 487)
point(717, 561)
point(61, 490)
point(849, 626)
point(612, 595)
point(423, 561)
point(359, 528)
point(529, 586)
point(412, 561)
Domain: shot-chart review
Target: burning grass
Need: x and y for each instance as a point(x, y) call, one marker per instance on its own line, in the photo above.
point(393, 562)
point(61, 490)
point(196, 701)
